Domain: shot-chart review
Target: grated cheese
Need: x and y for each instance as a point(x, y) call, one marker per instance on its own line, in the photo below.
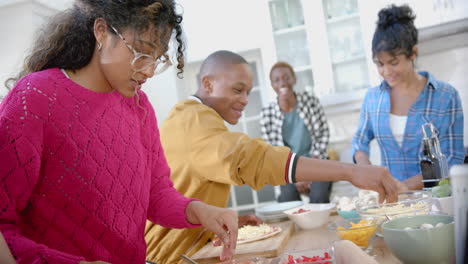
point(250, 232)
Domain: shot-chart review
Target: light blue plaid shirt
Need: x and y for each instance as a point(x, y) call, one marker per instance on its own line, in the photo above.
point(438, 103)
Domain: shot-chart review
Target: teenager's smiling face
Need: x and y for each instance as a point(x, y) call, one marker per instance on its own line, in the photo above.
point(394, 69)
point(229, 90)
point(282, 77)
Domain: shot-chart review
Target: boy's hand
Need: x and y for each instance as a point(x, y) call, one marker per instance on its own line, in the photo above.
point(303, 187)
point(249, 219)
point(376, 178)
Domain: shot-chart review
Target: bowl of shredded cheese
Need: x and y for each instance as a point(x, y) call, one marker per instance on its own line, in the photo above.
point(360, 231)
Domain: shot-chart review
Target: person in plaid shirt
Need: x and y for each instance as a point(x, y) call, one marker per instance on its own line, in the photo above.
point(394, 111)
point(296, 120)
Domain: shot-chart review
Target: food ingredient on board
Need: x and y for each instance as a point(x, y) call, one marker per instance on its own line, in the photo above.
point(398, 209)
point(314, 259)
point(249, 232)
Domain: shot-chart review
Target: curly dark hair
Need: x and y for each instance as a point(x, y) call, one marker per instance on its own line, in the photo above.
point(281, 64)
point(68, 40)
point(395, 32)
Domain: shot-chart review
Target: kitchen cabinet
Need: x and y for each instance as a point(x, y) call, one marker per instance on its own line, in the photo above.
point(432, 12)
point(328, 42)
point(291, 39)
point(323, 41)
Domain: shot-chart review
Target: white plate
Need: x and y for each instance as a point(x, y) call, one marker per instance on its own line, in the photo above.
point(277, 208)
point(272, 216)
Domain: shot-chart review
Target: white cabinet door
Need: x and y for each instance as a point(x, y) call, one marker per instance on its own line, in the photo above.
point(453, 10)
point(431, 12)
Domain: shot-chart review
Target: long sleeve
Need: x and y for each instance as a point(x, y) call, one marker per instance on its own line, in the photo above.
point(21, 147)
point(451, 142)
point(364, 133)
point(167, 206)
point(320, 130)
point(266, 125)
point(218, 152)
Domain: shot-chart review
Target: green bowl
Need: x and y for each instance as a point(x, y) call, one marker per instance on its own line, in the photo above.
point(419, 246)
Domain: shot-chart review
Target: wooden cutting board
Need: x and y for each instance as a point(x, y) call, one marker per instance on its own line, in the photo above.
point(268, 248)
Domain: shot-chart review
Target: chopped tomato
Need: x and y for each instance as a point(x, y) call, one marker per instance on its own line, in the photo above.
point(300, 211)
point(305, 259)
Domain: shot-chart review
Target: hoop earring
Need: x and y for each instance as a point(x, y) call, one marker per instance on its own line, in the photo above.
point(99, 46)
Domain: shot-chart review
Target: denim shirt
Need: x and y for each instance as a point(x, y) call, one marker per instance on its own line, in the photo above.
point(438, 103)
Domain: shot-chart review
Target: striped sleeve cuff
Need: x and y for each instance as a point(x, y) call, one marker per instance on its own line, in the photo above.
point(290, 171)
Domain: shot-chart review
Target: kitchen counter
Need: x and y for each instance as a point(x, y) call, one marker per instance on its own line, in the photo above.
point(317, 238)
point(323, 238)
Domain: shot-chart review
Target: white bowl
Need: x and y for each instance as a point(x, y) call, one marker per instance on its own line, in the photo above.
point(316, 215)
point(443, 204)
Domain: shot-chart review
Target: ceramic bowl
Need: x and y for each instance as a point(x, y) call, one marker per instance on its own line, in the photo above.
point(310, 216)
point(360, 231)
point(348, 214)
point(409, 203)
point(421, 246)
point(443, 204)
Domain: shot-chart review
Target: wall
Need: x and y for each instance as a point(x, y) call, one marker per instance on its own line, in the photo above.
point(19, 21)
point(239, 26)
point(241, 29)
point(162, 93)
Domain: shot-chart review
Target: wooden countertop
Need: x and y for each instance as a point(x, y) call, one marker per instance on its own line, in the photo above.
point(265, 248)
point(304, 240)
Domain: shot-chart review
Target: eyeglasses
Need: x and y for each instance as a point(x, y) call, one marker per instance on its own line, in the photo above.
point(142, 62)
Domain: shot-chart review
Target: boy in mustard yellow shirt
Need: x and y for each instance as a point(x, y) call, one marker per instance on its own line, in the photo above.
point(206, 158)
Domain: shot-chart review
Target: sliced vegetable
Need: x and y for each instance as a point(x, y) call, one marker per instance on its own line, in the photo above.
point(305, 259)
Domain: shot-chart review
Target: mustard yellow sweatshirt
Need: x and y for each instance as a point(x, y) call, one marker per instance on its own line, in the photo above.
point(205, 159)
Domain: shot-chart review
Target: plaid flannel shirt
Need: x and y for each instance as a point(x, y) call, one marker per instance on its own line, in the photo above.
point(310, 111)
point(438, 103)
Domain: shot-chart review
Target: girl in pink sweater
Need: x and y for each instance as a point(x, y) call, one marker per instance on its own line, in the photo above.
point(81, 163)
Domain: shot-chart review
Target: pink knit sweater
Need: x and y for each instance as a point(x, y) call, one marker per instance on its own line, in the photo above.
point(80, 172)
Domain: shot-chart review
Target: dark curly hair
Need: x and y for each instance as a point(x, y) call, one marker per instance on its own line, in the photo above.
point(281, 64)
point(395, 32)
point(68, 40)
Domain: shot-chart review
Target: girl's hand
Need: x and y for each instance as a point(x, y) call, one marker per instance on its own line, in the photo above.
point(376, 178)
point(221, 221)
